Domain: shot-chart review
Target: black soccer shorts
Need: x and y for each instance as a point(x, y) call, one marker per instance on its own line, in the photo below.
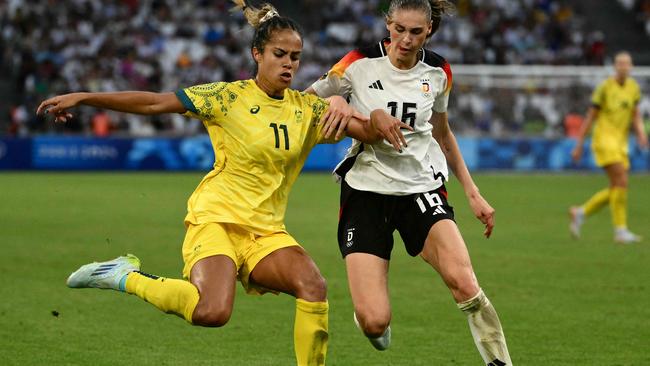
point(367, 220)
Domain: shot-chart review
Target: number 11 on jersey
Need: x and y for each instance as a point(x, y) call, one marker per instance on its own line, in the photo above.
point(276, 130)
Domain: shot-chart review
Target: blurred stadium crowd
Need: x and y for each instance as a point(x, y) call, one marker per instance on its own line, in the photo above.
point(641, 9)
point(53, 46)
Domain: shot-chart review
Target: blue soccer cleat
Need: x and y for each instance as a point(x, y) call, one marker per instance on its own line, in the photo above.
point(104, 275)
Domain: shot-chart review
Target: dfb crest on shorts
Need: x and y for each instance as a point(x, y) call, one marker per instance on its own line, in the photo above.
point(350, 237)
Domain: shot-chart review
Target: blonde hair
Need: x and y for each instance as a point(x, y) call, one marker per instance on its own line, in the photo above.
point(255, 16)
point(622, 54)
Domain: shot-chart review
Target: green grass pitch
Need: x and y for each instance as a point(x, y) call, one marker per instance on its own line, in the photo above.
point(562, 302)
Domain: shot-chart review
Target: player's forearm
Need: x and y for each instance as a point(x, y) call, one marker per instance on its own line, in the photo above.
point(137, 102)
point(638, 125)
point(586, 124)
point(638, 128)
point(449, 146)
point(362, 131)
point(457, 164)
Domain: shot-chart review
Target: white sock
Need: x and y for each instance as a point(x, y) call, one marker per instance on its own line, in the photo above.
point(486, 330)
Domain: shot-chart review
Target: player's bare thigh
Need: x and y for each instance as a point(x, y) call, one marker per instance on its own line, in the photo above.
point(617, 174)
point(445, 250)
point(215, 278)
point(368, 281)
point(292, 271)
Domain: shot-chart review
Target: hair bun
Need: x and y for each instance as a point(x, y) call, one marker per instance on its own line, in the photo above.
point(269, 15)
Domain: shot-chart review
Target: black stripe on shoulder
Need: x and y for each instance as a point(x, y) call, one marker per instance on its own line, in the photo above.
point(374, 51)
point(433, 59)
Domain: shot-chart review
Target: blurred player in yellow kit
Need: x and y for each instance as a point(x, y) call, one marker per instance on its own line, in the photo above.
point(262, 133)
point(615, 109)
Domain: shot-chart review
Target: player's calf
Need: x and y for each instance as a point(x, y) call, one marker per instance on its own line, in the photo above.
point(486, 330)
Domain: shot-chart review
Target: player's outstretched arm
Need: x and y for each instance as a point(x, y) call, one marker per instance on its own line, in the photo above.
point(345, 119)
point(338, 116)
point(137, 102)
point(381, 126)
point(576, 153)
point(445, 137)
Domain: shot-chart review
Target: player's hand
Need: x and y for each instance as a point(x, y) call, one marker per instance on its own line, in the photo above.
point(389, 128)
point(338, 116)
point(576, 153)
point(56, 106)
point(483, 211)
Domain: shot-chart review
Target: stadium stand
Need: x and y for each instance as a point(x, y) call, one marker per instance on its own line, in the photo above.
point(641, 9)
point(52, 47)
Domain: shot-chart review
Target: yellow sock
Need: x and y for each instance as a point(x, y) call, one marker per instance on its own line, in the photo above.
point(169, 295)
point(596, 202)
point(310, 332)
point(618, 206)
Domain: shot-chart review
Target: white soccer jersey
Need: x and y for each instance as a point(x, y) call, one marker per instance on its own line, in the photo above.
point(368, 79)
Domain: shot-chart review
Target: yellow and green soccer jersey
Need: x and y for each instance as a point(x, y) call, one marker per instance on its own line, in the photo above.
point(260, 146)
point(616, 104)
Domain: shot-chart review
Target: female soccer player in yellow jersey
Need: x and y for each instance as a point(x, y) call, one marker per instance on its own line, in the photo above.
point(383, 191)
point(614, 106)
point(261, 133)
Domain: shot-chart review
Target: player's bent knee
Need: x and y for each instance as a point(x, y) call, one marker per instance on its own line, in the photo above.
point(373, 325)
point(211, 317)
point(311, 288)
point(467, 291)
point(375, 329)
point(463, 288)
point(619, 182)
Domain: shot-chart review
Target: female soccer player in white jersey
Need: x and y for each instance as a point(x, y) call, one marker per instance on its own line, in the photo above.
point(261, 133)
point(384, 190)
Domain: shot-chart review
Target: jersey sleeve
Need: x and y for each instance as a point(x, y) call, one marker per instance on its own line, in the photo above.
point(442, 99)
point(337, 80)
point(598, 96)
point(319, 107)
point(206, 102)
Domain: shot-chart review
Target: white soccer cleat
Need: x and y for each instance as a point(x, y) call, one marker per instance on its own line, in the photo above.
point(105, 275)
point(577, 219)
point(625, 236)
point(380, 343)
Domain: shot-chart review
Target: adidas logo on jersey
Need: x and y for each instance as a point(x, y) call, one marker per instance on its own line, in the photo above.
point(376, 85)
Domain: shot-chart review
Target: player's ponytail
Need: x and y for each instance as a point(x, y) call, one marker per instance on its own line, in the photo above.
point(265, 20)
point(438, 9)
point(433, 9)
point(255, 16)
